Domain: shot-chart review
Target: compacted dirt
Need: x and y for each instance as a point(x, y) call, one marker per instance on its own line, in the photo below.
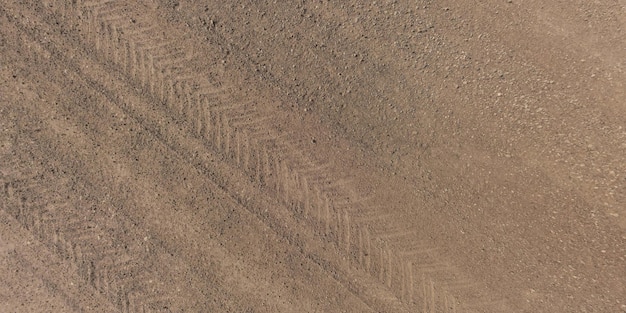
point(313, 156)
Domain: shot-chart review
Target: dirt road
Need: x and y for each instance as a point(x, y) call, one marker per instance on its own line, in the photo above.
point(312, 156)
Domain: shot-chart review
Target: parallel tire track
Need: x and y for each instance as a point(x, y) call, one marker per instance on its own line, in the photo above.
point(207, 111)
point(119, 287)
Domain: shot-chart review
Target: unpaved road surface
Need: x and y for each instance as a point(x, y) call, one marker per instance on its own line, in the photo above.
point(313, 156)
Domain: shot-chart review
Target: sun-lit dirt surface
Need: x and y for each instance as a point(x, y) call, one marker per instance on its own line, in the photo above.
point(313, 156)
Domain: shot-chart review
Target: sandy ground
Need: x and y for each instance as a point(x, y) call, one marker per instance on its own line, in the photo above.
point(313, 156)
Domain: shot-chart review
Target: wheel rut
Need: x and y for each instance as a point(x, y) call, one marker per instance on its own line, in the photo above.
point(219, 137)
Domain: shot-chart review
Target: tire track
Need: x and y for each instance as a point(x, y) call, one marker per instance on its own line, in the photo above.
point(41, 267)
point(107, 281)
point(115, 266)
point(272, 168)
point(287, 186)
point(114, 271)
point(120, 303)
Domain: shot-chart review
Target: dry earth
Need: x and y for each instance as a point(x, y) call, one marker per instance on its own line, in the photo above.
point(313, 156)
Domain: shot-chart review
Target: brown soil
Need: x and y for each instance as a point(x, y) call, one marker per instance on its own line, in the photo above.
point(313, 156)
